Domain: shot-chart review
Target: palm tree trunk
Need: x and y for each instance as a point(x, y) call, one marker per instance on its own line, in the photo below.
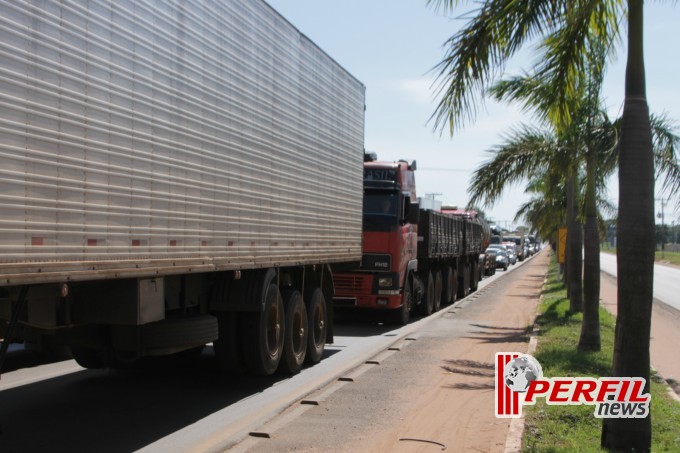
point(635, 241)
point(574, 246)
point(590, 327)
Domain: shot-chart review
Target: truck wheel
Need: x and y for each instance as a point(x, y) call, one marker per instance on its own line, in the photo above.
point(318, 325)
point(437, 302)
point(229, 345)
point(447, 285)
point(454, 284)
point(295, 338)
point(474, 276)
point(464, 282)
point(402, 314)
point(265, 333)
point(427, 305)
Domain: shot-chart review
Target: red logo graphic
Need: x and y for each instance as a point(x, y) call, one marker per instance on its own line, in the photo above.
point(519, 380)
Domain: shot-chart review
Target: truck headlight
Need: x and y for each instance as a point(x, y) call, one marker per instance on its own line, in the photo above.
point(385, 282)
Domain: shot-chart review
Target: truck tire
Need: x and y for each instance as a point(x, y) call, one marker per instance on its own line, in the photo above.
point(464, 281)
point(229, 346)
point(264, 334)
point(427, 305)
point(474, 276)
point(295, 338)
point(437, 302)
point(401, 315)
point(317, 314)
point(447, 285)
point(454, 283)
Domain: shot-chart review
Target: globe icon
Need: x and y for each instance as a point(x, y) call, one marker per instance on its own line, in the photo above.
point(521, 371)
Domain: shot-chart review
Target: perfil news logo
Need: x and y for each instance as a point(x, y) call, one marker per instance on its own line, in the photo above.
point(519, 381)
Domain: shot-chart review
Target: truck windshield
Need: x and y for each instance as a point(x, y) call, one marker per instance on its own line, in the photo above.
point(381, 211)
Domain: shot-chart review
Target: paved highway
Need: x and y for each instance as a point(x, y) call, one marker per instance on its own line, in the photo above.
point(166, 407)
point(666, 280)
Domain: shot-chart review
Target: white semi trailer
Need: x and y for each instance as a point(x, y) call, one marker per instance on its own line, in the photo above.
point(173, 174)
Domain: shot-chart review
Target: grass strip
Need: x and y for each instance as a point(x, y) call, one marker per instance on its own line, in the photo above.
point(574, 428)
point(664, 257)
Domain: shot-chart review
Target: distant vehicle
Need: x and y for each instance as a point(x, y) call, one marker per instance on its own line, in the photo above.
point(495, 239)
point(519, 241)
point(501, 258)
point(535, 247)
point(511, 244)
point(512, 255)
point(490, 264)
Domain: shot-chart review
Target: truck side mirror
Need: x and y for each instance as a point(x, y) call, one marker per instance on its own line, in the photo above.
point(413, 215)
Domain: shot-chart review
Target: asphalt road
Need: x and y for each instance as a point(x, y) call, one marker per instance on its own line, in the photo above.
point(666, 280)
point(165, 405)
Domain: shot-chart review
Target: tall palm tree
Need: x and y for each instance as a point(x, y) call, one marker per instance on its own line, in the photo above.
point(591, 133)
point(475, 54)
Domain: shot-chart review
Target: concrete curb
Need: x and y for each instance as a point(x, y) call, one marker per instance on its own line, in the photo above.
point(513, 442)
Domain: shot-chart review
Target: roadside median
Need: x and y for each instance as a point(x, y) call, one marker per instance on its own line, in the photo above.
point(574, 428)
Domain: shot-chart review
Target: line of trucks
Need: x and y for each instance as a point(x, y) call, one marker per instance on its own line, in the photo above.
point(177, 174)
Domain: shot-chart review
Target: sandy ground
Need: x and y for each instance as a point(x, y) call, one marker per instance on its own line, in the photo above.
point(437, 391)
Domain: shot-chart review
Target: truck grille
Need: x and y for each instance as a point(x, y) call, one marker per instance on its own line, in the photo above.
point(351, 284)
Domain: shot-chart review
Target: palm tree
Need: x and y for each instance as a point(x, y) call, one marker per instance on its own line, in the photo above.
point(473, 59)
point(591, 133)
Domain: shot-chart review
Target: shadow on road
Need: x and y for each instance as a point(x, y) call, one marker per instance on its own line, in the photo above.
point(114, 411)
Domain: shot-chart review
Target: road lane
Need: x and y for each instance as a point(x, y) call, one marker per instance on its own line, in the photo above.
point(666, 280)
point(168, 407)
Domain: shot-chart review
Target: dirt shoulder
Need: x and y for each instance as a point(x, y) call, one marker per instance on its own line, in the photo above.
point(665, 332)
point(437, 390)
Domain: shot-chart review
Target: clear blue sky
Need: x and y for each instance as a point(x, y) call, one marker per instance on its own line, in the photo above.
point(392, 45)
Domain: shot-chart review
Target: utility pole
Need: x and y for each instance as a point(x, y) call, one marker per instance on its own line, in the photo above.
point(663, 226)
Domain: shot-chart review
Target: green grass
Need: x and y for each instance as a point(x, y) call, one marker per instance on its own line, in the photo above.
point(574, 428)
point(672, 257)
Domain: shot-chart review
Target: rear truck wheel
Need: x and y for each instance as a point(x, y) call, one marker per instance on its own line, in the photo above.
point(265, 332)
point(401, 315)
point(454, 288)
point(466, 280)
point(463, 281)
point(437, 291)
point(295, 338)
point(447, 285)
point(474, 276)
point(229, 346)
point(318, 325)
point(428, 303)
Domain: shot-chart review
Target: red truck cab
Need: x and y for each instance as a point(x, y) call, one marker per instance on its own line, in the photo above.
point(390, 242)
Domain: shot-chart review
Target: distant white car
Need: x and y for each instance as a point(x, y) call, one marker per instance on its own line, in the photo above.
point(512, 256)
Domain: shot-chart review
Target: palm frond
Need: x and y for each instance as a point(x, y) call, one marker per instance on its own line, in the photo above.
point(525, 152)
point(476, 54)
